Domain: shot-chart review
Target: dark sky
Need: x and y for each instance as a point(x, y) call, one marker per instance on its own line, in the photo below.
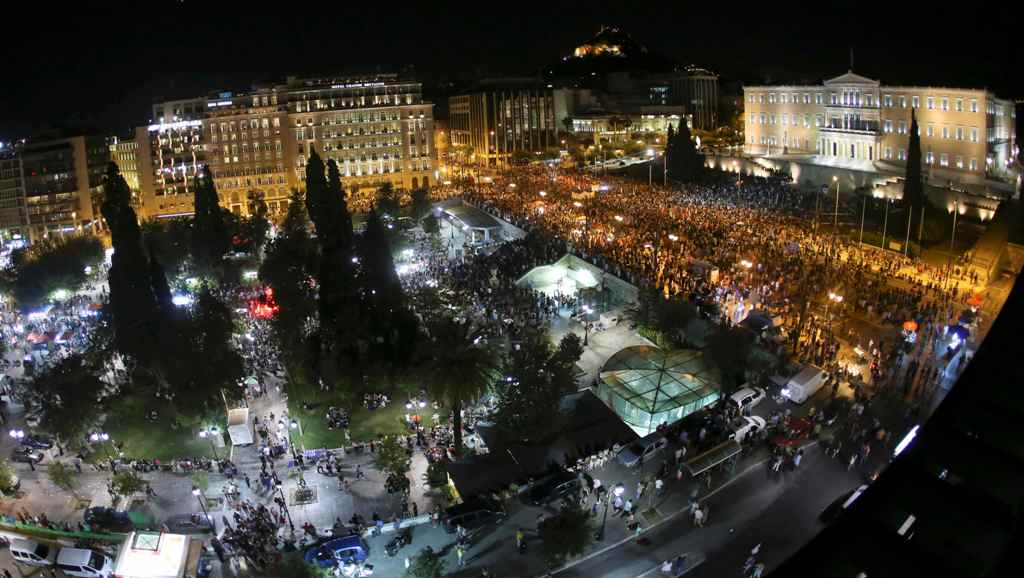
point(104, 64)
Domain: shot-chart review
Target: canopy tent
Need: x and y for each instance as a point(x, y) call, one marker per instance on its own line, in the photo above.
point(238, 426)
point(647, 386)
point(153, 555)
point(567, 276)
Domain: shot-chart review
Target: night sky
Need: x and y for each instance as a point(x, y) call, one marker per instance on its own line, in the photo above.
point(74, 65)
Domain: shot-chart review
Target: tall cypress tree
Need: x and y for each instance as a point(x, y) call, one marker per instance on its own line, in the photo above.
point(913, 185)
point(209, 231)
point(133, 307)
point(316, 192)
point(684, 163)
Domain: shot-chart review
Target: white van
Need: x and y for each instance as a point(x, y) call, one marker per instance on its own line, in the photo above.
point(81, 563)
point(32, 553)
point(804, 384)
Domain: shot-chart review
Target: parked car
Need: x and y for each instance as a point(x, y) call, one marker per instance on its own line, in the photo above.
point(642, 450)
point(81, 563)
point(190, 523)
point(105, 519)
point(472, 515)
point(559, 486)
point(26, 455)
point(328, 554)
point(747, 398)
point(37, 441)
point(32, 553)
point(745, 425)
point(832, 512)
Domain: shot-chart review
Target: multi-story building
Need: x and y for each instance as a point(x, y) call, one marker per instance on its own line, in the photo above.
point(170, 157)
point(52, 185)
point(967, 135)
point(377, 128)
point(249, 151)
point(504, 118)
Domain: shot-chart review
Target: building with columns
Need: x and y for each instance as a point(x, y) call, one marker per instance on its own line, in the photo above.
point(968, 136)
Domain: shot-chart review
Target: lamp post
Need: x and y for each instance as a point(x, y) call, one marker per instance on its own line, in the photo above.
point(209, 433)
point(650, 167)
point(103, 438)
point(617, 491)
point(586, 324)
point(199, 498)
point(284, 504)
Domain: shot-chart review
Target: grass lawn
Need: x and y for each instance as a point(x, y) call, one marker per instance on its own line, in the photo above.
point(364, 424)
point(154, 440)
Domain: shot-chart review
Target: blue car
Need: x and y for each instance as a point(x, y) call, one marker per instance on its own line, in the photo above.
point(348, 549)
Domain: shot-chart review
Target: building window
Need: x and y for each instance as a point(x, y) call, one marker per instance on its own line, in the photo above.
point(773, 119)
point(771, 98)
point(960, 133)
point(915, 102)
point(931, 103)
point(930, 131)
point(974, 164)
point(752, 118)
point(807, 98)
point(764, 118)
point(888, 126)
point(974, 135)
point(944, 159)
point(888, 101)
point(835, 98)
point(903, 101)
point(807, 121)
point(785, 119)
point(959, 162)
point(760, 98)
point(903, 155)
point(929, 157)
point(750, 98)
point(817, 98)
point(903, 127)
point(959, 105)
point(974, 105)
point(945, 104)
point(945, 133)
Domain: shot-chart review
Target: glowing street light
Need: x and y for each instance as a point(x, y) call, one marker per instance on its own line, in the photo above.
point(618, 218)
point(210, 433)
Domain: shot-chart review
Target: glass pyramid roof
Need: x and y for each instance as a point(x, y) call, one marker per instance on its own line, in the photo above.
point(656, 380)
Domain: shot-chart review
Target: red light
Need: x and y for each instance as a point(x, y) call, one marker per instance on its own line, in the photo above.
point(264, 306)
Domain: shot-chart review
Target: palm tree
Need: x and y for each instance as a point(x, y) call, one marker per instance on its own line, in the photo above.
point(456, 368)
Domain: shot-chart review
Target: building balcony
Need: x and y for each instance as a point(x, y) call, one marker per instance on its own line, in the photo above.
point(869, 128)
point(853, 106)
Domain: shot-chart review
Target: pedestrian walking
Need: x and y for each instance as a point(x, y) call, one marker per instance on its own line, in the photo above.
point(247, 482)
point(798, 458)
point(460, 552)
point(698, 518)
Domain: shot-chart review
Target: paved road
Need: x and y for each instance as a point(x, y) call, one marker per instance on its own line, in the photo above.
point(780, 511)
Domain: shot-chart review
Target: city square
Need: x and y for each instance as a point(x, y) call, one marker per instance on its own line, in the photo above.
point(628, 318)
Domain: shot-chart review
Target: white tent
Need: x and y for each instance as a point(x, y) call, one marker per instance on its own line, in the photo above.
point(238, 426)
point(567, 276)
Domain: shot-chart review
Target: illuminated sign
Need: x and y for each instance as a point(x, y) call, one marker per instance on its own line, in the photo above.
point(218, 103)
point(175, 125)
point(358, 85)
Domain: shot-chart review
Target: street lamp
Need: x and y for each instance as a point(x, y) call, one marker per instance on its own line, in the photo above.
point(210, 433)
point(18, 434)
point(832, 298)
point(650, 167)
point(199, 498)
point(284, 504)
point(103, 438)
point(617, 491)
point(586, 324)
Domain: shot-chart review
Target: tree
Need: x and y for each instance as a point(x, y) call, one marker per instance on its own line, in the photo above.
point(570, 349)
point(426, 564)
point(170, 240)
point(673, 316)
point(210, 236)
point(8, 479)
point(730, 349)
point(62, 475)
point(126, 483)
point(536, 379)
point(913, 185)
point(684, 163)
point(133, 309)
point(288, 269)
point(67, 394)
point(431, 226)
point(393, 459)
point(420, 204)
point(387, 200)
point(566, 535)
point(52, 264)
point(456, 368)
point(292, 565)
point(257, 226)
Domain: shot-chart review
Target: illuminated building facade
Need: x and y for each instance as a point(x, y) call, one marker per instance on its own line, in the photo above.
point(249, 150)
point(52, 185)
point(498, 123)
point(377, 128)
point(170, 157)
point(967, 135)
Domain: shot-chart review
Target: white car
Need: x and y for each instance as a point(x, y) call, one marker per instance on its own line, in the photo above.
point(744, 426)
point(747, 398)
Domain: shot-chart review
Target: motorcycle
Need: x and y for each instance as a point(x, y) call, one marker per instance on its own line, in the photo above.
point(400, 540)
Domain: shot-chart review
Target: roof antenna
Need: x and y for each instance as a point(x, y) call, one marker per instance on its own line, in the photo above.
point(851, 58)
